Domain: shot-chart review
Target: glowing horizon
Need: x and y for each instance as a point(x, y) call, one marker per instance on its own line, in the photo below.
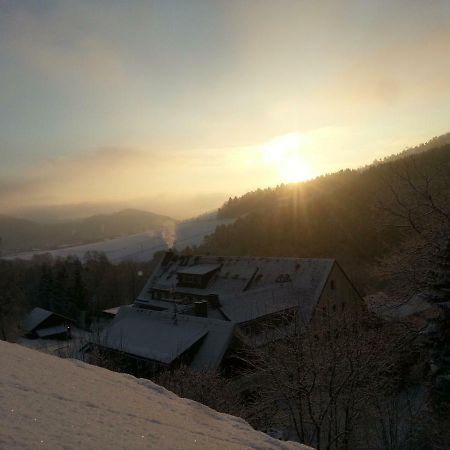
point(285, 153)
point(176, 105)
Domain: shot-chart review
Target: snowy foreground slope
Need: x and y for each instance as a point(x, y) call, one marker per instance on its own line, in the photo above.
point(52, 403)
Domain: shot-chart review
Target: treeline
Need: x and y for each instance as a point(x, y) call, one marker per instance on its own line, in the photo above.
point(341, 215)
point(437, 141)
point(251, 201)
point(67, 286)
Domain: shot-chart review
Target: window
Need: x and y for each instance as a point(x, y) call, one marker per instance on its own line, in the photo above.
point(283, 278)
point(190, 280)
point(332, 284)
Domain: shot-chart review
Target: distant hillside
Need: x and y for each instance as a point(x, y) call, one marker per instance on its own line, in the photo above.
point(274, 197)
point(336, 215)
point(17, 232)
point(128, 221)
point(20, 234)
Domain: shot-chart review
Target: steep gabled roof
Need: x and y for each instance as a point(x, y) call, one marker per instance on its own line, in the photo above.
point(300, 287)
point(247, 287)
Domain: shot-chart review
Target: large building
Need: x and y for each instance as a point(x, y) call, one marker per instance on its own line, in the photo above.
point(193, 308)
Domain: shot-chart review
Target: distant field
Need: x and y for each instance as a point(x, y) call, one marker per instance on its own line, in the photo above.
point(137, 247)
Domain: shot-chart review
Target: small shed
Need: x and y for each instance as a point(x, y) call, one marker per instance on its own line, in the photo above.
point(41, 323)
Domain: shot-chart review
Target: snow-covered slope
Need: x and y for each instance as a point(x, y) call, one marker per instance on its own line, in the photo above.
point(52, 403)
point(137, 247)
point(192, 232)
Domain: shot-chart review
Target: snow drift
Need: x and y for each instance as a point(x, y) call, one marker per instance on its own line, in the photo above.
point(48, 402)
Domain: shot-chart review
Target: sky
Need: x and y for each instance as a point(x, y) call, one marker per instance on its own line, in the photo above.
point(175, 105)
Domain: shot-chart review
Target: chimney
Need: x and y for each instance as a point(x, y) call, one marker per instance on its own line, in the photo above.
point(201, 308)
point(169, 254)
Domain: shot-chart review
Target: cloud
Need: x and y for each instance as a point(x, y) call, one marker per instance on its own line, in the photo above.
point(55, 179)
point(409, 72)
point(118, 175)
point(186, 95)
point(60, 46)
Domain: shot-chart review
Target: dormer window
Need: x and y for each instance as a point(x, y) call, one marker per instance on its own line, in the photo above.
point(191, 280)
point(197, 276)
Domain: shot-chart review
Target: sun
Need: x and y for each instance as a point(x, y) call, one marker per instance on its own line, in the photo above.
point(283, 153)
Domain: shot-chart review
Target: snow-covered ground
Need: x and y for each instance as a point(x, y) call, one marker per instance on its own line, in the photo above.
point(140, 247)
point(192, 232)
point(52, 403)
point(65, 348)
point(137, 247)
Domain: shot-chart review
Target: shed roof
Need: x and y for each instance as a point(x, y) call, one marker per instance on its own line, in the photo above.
point(35, 317)
point(51, 331)
point(112, 311)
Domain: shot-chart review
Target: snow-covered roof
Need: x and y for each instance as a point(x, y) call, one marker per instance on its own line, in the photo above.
point(51, 331)
point(34, 318)
point(159, 336)
point(252, 305)
point(37, 316)
point(248, 287)
point(199, 269)
point(141, 333)
point(388, 309)
point(83, 406)
point(112, 311)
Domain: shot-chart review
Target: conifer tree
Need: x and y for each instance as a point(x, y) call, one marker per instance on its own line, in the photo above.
point(79, 289)
point(45, 294)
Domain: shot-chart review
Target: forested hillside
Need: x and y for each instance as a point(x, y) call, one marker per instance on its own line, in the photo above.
point(437, 141)
point(345, 215)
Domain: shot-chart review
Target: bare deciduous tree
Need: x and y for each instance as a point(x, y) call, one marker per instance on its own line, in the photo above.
point(419, 206)
point(204, 386)
point(324, 381)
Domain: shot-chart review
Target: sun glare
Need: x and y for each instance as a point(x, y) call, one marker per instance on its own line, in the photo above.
point(283, 153)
